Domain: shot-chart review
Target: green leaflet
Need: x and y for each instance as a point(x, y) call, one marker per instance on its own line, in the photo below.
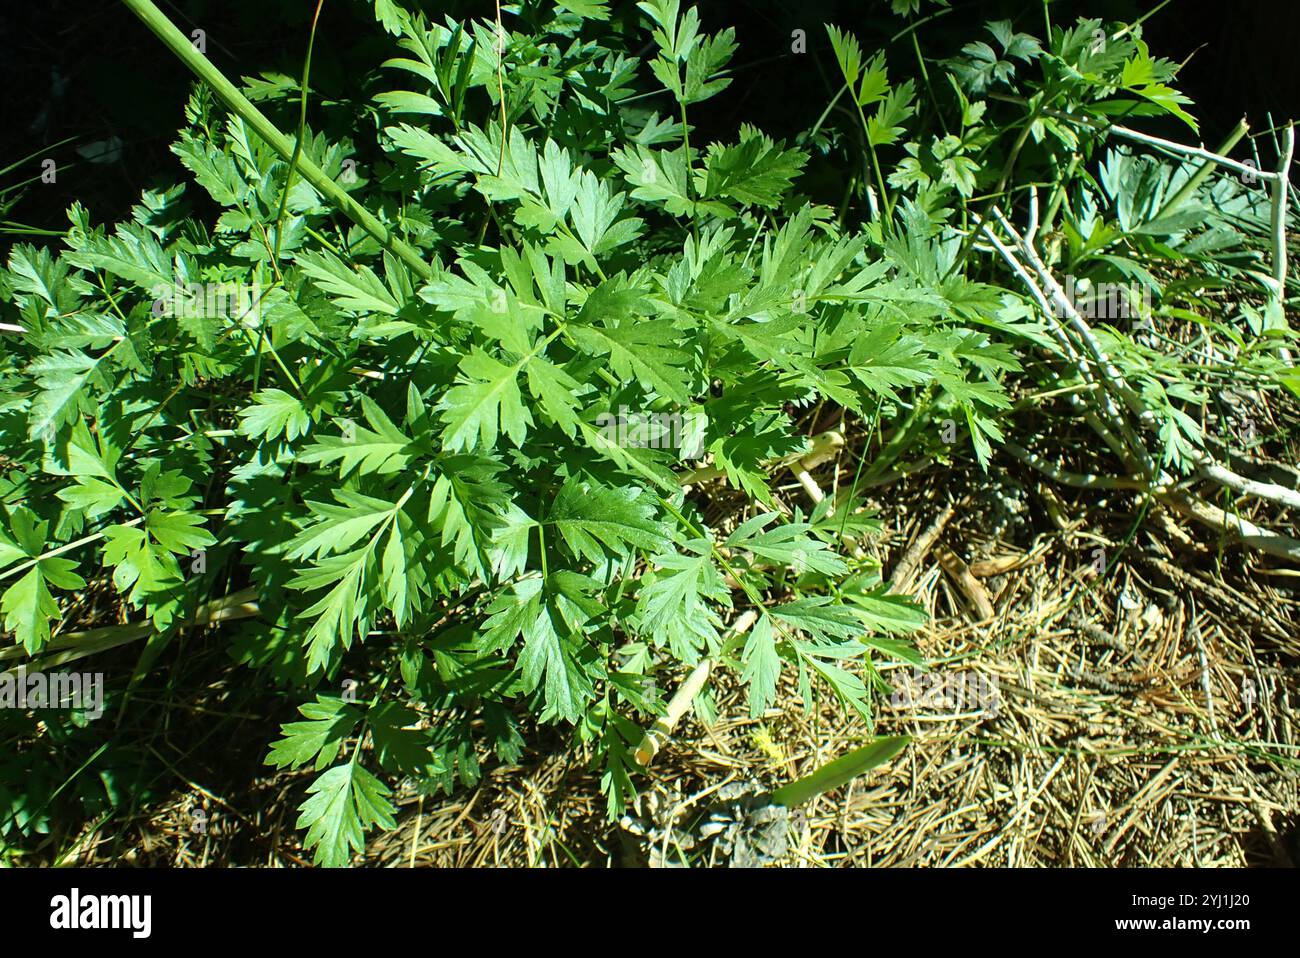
point(381, 449)
point(143, 558)
point(133, 254)
point(676, 607)
point(590, 9)
point(28, 604)
point(658, 176)
point(275, 413)
point(63, 380)
point(484, 404)
point(756, 171)
point(549, 658)
point(359, 289)
point(762, 666)
point(596, 520)
point(37, 273)
point(401, 746)
point(643, 349)
point(788, 544)
point(345, 802)
point(329, 721)
point(340, 525)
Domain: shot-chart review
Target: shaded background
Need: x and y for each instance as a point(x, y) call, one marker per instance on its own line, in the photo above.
point(90, 70)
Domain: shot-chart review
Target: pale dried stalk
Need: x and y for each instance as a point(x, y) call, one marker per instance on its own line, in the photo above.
point(1207, 466)
point(77, 645)
point(680, 703)
point(1066, 478)
point(1281, 185)
point(1267, 541)
point(1113, 442)
point(1112, 378)
point(824, 451)
point(1242, 530)
point(823, 446)
point(1196, 151)
point(1107, 407)
point(911, 559)
point(970, 586)
point(1272, 492)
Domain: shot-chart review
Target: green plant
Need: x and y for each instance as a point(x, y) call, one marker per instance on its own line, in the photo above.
point(1035, 125)
point(474, 419)
point(397, 430)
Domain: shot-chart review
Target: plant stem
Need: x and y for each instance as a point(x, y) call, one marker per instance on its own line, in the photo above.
point(297, 146)
point(1205, 170)
point(875, 161)
point(202, 67)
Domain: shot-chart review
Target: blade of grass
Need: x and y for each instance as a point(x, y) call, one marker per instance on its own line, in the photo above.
point(840, 771)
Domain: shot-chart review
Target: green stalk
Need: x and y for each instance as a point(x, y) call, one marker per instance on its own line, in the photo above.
point(1205, 170)
point(284, 193)
point(297, 146)
point(180, 45)
point(885, 201)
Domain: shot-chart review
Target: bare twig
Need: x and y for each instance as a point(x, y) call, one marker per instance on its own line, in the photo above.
point(907, 565)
